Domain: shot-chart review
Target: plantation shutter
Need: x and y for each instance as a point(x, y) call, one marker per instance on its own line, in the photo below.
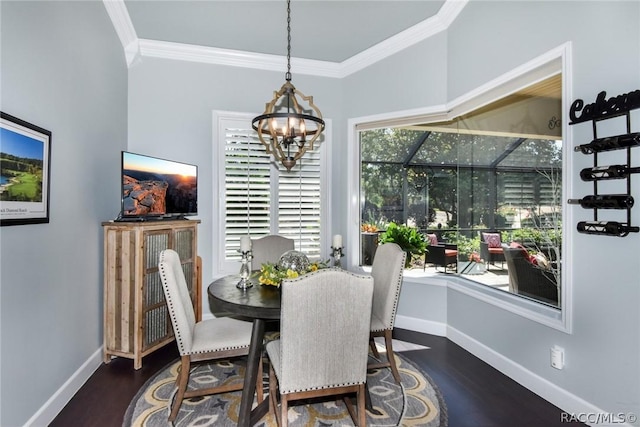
point(299, 207)
point(266, 199)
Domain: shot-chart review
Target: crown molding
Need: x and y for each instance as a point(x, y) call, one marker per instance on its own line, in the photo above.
point(136, 48)
point(412, 35)
point(117, 11)
point(235, 58)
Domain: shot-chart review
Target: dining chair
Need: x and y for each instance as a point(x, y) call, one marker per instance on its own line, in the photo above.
point(211, 339)
point(269, 249)
point(387, 270)
point(323, 345)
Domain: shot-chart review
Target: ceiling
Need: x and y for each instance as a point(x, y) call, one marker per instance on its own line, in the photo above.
point(326, 30)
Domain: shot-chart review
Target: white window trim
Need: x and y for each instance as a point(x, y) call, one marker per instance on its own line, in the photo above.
point(221, 266)
point(549, 64)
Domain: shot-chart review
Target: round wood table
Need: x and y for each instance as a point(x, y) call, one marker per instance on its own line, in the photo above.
point(259, 303)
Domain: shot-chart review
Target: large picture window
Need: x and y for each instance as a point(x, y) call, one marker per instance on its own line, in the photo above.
point(483, 189)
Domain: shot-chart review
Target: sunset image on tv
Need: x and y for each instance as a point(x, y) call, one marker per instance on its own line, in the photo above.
point(156, 187)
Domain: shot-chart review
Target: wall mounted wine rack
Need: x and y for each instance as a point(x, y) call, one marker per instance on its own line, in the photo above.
point(604, 109)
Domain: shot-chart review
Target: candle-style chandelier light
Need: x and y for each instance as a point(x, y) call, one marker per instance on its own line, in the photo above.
point(291, 122)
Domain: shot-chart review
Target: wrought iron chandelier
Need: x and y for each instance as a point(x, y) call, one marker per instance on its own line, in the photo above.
point(291, 122)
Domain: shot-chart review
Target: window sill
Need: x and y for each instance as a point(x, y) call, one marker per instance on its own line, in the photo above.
point(546, 315)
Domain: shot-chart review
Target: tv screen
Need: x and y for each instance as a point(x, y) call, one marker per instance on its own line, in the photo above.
point(157, 188)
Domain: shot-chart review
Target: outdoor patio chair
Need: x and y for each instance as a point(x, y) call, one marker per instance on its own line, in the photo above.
point(529, 280)
point(440, 254)
point(492, 248)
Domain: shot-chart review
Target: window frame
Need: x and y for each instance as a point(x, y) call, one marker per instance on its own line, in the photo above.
point(555, 61)
point(219, 121)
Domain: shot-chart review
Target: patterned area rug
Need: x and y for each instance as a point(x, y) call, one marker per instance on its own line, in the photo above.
point(417, 402)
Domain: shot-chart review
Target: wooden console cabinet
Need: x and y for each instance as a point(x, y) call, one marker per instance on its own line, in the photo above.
point(136, 319)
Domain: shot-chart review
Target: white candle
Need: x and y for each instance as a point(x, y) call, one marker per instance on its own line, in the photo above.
point(245, 244)
point(337, 241)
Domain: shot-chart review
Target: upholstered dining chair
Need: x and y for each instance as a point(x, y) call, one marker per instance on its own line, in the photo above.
point(387, 270)
point(218, 338)
point(323, 345)
point(268, 249)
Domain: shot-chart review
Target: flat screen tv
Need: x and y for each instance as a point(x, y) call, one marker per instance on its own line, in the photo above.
point(154, 188)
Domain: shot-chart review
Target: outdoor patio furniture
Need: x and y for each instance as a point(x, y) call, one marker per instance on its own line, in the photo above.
point(528, 279)
point(440, 254)
point(491, 248)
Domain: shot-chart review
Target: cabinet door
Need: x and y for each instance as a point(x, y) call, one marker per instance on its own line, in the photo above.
point(156, 324)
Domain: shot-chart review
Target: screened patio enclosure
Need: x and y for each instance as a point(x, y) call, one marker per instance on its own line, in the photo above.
point(432, 179)
point(497, 169)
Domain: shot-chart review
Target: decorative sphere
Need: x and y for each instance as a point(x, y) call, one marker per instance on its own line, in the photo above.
point(293, 260)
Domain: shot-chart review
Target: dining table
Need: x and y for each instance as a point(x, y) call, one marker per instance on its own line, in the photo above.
point(258, 304)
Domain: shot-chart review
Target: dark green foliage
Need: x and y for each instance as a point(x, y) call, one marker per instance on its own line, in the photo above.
point(408, 238)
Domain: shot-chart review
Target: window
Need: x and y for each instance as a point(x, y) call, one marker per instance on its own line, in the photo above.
point(493, 171)
point(258, 197)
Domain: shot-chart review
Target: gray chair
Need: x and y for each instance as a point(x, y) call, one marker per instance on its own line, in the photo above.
point(387, 270)
point(211, 339)
point(323, 345)
point(268, 249)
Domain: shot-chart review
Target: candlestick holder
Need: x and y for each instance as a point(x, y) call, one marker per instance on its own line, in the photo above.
point(244, 282)
point(337, 253)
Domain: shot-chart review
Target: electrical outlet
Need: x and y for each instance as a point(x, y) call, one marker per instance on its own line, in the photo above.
point(557, 357)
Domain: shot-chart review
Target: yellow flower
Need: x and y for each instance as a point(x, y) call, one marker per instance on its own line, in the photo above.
point(292, 274)
point(313, 267)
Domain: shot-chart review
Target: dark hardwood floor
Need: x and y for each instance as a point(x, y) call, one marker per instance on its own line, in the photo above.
point(476, 394)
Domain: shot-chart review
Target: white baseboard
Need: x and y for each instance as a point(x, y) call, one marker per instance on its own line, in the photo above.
point(544, 388)
point(419, 325)
point(60, 398)
point(568, 402)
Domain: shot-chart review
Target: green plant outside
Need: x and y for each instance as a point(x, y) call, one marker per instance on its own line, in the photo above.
point(539, 237)
point(465, 245)
point(408, 238)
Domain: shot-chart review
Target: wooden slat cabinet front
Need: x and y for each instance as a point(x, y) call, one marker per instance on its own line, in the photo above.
point(136, 319)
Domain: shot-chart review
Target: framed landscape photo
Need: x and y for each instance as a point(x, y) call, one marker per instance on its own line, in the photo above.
point(25, 157)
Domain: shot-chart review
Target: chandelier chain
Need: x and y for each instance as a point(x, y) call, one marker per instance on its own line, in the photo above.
point(288, 75)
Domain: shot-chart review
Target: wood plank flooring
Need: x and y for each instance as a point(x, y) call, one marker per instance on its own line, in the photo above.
point(476, 394)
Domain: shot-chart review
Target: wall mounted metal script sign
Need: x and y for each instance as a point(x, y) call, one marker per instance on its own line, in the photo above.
point(604, 108)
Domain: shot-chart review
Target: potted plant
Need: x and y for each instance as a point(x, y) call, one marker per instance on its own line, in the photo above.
point(369, 232)
point(408, 238)
point(469, 261)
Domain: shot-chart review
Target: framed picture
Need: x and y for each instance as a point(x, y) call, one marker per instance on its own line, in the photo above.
point(25, 158)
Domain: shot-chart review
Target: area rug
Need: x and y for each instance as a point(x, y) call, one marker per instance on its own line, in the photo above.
point(417, 402)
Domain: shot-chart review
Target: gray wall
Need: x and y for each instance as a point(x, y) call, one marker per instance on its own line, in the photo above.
point(487, 40)
point(170, 116)
point(605, 270)
point(63, 69)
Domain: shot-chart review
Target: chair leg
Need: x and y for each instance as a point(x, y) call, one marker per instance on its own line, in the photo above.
point(259, 385)
point(362, 413)
point(273, 401)
point(183, 378)
point(284, 410)
point(374, 349)
point(391, 359)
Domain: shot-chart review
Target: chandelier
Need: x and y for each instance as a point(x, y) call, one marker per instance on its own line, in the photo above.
point(291, 122)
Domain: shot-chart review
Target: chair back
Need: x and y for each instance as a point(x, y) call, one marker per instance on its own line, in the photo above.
point(269, 249)
point(324, 330)
point(510, 255)
point(178, 299)
point(387, 270)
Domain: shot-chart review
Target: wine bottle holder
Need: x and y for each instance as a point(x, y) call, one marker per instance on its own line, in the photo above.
point(622, 202)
